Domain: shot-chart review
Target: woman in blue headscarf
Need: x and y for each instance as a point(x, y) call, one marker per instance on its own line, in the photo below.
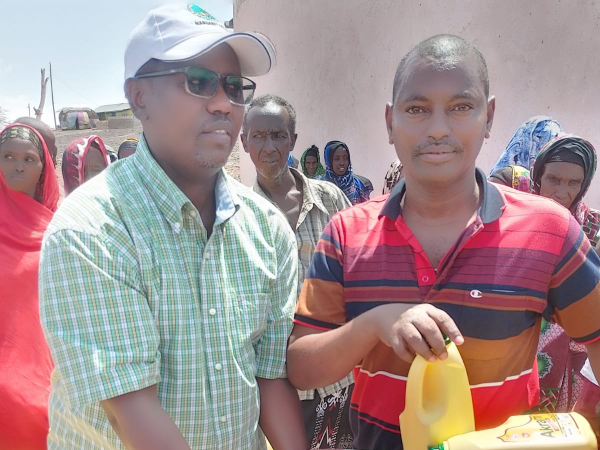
point(338, 170)
point(528, 142)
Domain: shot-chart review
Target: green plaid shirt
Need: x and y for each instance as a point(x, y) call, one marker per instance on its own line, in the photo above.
point(320, 201)
point(133, 294)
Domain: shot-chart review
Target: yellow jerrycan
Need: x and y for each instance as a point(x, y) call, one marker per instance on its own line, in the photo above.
point(438, 401)
point(534, 432)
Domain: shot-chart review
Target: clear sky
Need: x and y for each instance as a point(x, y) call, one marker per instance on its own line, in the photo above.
point(84, 40)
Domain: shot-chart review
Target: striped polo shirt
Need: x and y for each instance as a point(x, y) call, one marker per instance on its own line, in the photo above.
point(523, 257)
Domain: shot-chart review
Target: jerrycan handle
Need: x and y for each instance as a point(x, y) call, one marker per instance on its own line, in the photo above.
point(415, 392)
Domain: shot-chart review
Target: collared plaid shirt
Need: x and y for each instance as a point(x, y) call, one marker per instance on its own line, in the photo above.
point(321, 200)
point(133, 294)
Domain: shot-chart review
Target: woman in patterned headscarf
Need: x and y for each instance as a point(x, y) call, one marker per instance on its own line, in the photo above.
point(24, 164)
point(311, 163)
point(528, 141)
point(29, 196)
point(393, 175)
point(563, 171)
point(512, 168)
point(83, 159)
point(338, 170)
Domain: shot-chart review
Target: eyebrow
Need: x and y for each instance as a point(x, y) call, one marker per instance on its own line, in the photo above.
point(267, 130)
point(421, 98)
point(463, 96)
point(559, 177)
point(415, 98)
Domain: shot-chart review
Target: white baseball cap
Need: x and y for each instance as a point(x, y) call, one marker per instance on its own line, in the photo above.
point(177, 32)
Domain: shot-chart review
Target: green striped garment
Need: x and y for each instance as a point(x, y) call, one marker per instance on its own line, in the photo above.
point(133, 294)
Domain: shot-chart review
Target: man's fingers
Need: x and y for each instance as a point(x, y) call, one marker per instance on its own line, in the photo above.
point(447, 325)
point(416, 342)
point(430, 331)
point(402, 351)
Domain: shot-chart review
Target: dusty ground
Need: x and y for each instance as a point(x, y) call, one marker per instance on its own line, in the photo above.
point(114, 138)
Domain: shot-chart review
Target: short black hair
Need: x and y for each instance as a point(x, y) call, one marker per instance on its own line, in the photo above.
point(443, 51)
point(271, 99)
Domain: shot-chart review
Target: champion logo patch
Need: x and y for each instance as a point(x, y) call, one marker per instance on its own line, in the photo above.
point(476, 294)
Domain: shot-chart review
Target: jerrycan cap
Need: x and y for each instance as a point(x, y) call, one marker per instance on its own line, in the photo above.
point(437, 447)
point(447, 341)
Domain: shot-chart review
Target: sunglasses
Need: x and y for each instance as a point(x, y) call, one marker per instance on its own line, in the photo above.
point(204, 83)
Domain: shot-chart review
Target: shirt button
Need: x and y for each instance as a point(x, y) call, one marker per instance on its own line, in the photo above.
point(425, 279)
point(206, 255)
point(223, 419)
point(177, 227)
point(212, 311)
point(193, 213)
point(218, 366)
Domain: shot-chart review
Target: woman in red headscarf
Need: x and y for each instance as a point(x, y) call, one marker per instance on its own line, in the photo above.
point(82, 160)
point(29, 195)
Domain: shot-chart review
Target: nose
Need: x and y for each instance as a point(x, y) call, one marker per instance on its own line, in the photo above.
point(438, 127)
point(269, 144)
point(561, 192)
point(219, 103)
point(20, 166)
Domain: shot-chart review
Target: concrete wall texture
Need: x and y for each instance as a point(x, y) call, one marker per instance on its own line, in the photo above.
point(337, 58)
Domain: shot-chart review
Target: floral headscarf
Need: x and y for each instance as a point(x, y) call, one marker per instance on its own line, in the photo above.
point(516, 177)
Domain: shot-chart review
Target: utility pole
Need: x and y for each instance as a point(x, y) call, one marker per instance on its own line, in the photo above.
point(29, 108)
point(52, 92)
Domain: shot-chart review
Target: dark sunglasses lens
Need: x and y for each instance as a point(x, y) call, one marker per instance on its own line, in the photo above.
point(240, 90)
point(202, 82)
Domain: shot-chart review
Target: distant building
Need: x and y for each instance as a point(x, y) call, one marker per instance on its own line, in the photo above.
point(77, 118)
point(116, 110)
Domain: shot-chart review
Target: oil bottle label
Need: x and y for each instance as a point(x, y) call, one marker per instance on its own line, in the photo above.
point(542, 426)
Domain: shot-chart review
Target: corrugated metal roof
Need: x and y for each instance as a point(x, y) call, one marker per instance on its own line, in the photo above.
point(112, 108)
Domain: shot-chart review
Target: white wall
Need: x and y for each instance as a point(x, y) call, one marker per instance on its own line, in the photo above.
point(337, 60)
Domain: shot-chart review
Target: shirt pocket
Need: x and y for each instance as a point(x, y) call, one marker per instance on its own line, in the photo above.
point(250, 313)
point(245, 326)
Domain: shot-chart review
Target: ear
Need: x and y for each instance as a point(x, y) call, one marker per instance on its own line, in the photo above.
point(244, 142)
point(389, 108)
point(293, 142)
point(135, 91)
point(491, 108)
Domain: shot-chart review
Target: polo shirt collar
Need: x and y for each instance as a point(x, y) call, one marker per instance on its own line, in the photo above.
point(490, 210)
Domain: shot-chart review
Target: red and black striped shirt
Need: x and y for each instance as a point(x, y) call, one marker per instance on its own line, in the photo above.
point(522, 258)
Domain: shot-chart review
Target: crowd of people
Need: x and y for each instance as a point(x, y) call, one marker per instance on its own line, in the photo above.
point(162, 304)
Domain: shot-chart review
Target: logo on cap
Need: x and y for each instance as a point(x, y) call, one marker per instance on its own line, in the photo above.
point(206, 18)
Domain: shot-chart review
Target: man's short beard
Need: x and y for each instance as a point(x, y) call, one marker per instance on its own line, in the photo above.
point(273, 174)
point(212, 163)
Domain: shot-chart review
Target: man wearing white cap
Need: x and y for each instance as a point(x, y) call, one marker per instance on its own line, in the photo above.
point(167, 289)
